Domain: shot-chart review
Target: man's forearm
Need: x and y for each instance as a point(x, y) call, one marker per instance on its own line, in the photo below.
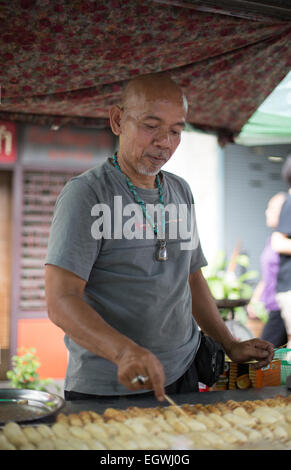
point(206, 313)
point(87, 328)
point(208, 318)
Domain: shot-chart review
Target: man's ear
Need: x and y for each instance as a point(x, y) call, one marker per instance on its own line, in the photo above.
point(115, 113)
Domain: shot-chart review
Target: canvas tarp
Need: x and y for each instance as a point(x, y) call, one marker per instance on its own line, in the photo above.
point(66, 62)
point(271, 123)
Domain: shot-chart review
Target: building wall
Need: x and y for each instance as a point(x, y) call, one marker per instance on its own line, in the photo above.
point(250, 180)
point(197, 161)
point(45, 161)
point(231, 188)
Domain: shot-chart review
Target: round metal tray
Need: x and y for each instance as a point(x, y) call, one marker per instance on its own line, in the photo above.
point(21, 405)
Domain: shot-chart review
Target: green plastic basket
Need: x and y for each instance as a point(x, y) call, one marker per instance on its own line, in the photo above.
point(285, 365)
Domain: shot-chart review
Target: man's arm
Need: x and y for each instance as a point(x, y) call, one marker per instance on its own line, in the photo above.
point(281, 243)
point(66, 308)
point(206, 314)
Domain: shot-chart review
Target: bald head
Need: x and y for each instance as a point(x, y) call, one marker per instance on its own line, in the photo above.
point(153, 86)
point(149, 122)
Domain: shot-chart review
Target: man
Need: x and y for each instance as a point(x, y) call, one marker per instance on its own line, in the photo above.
point(129, 305)
point(281, 243)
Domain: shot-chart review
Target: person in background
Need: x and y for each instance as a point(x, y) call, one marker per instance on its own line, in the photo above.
point(265, 291)
point(281, 243)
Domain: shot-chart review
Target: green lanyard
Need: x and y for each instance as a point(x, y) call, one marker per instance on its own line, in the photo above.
point(162, 250)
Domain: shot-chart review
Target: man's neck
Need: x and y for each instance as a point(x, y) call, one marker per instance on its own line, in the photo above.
point(139, 180)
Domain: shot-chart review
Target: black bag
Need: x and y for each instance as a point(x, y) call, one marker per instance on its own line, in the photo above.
point(209, 360)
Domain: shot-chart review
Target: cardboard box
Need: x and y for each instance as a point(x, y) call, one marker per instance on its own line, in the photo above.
point(242, 376)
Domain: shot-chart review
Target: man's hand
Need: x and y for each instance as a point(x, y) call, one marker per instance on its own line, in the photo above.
point(252, 349)
point(135, 361)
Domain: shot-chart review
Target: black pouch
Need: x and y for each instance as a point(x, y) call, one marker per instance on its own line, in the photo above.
point(209, 360)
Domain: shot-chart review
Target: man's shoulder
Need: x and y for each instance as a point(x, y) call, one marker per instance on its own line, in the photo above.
point(93, 174)
point(177, 182)
point(91, 178)
point(175, 178)
point(87, 186)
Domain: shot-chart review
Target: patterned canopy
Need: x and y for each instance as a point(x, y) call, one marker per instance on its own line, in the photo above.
point(65, 62)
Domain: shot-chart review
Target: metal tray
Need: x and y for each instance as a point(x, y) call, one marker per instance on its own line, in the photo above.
point(21, 405)
point(99, 405)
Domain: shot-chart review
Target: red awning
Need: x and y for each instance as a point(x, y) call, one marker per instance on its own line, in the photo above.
point(66, 62)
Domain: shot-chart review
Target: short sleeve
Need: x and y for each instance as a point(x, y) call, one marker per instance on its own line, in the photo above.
point(198, 259)
point(71, 245)
point(284, 225)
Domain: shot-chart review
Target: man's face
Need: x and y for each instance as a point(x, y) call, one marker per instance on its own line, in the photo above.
point(150, 132)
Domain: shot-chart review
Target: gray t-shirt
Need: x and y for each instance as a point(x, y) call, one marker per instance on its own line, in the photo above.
point(147, 300)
